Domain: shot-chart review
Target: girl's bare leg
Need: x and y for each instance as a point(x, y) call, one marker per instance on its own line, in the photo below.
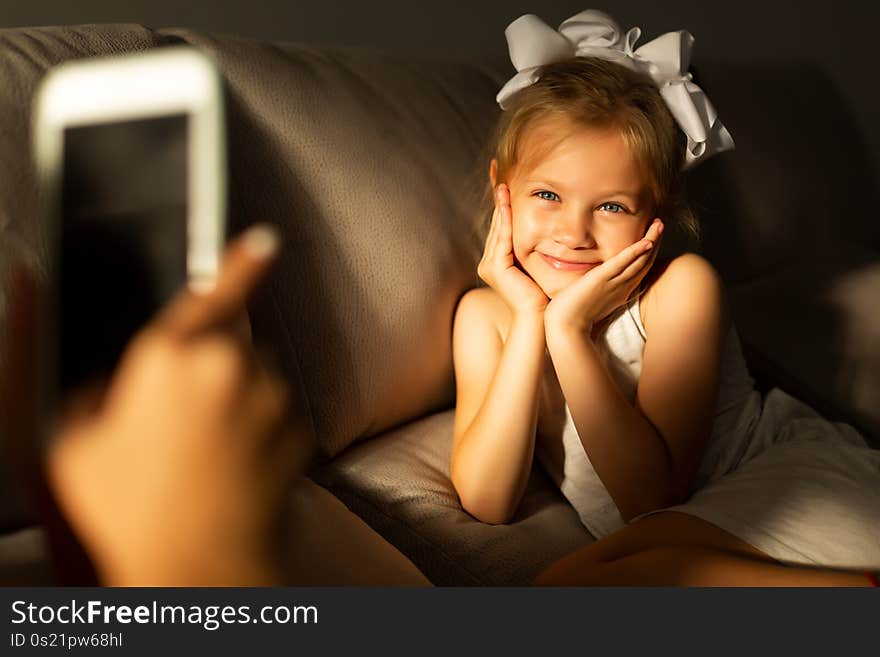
point(676, 549)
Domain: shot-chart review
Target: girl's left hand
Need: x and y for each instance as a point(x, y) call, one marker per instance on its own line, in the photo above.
point(608, 286)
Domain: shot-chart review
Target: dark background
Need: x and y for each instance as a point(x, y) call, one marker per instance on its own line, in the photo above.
point(835, 36)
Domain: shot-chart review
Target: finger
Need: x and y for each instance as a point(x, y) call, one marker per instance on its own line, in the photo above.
point(506, 223)
point(638, 267)
point(496, 219)
point(488, 249)
point(642, 265)
point(647, 244)
point(494, 253)
point(245, 263)
point(615, 266)
point(507, 228)
point(492, 238)
point(655, 230)
point(504, 192)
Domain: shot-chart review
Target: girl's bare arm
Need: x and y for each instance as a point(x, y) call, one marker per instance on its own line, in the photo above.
point(647, 455)
point(497, 384)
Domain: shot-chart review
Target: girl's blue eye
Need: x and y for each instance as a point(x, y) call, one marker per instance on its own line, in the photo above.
point(612, 207)
point(547, 196)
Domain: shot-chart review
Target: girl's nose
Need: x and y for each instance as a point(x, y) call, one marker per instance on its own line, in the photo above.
point(574, 230)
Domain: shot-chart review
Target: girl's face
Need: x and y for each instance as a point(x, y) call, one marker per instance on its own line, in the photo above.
point(578, 205)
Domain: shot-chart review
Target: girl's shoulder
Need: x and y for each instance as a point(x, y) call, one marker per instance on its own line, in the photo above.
point(485, 307)
point(687, 285)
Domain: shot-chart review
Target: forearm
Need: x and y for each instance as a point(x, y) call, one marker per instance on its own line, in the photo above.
point(493, 458)
point(628, 454)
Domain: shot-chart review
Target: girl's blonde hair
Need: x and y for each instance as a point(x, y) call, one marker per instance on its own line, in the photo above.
point(597, 93)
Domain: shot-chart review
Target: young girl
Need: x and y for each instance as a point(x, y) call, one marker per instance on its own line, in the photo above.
point(623, 377)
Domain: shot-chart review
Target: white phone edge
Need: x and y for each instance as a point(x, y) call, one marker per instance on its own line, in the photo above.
point(118, 88)
point(141, 85)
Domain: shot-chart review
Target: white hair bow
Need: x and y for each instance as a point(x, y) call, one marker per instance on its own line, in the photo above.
point(593, 33)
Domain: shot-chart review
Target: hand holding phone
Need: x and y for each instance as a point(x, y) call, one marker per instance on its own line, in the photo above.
point(177, 470)
point(130, 153)
point(177, 473)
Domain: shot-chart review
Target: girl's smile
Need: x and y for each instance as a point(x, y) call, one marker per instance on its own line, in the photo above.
point(569, 265)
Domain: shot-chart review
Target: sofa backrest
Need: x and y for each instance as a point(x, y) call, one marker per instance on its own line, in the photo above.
point(799, 184)
point(366, 161)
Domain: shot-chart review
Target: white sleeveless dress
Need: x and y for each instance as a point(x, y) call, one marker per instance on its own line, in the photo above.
point(775, 473)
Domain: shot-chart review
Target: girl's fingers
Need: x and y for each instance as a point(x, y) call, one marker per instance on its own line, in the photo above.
point(504, 194)
point(507, 227)
point(616, 266)
point(505, 221)
point(655, 230)
point(632, 259)
point(498, 243)
point(502, 204)
point(494, 221)
point(492, 237)
point(639, 266)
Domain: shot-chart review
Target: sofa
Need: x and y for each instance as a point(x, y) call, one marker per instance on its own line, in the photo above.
point(371, 163)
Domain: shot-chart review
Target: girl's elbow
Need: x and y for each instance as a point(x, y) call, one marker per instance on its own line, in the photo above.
point(486, 513)
point(481, 505)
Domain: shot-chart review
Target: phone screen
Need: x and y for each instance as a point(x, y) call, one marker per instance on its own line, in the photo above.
point(123, 237)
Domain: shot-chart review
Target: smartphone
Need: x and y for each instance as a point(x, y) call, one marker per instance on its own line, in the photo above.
point(130, 155)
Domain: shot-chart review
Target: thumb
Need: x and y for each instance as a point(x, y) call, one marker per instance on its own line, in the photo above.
point(245, 263)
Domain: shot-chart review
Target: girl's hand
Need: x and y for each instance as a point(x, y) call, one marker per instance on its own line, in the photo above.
point(608, 286)
point(498, 266)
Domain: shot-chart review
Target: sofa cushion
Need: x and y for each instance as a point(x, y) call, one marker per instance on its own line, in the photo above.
point(399, 483)
point(365, 160)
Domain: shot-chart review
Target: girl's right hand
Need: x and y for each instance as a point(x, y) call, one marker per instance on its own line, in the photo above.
point(498, 266)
